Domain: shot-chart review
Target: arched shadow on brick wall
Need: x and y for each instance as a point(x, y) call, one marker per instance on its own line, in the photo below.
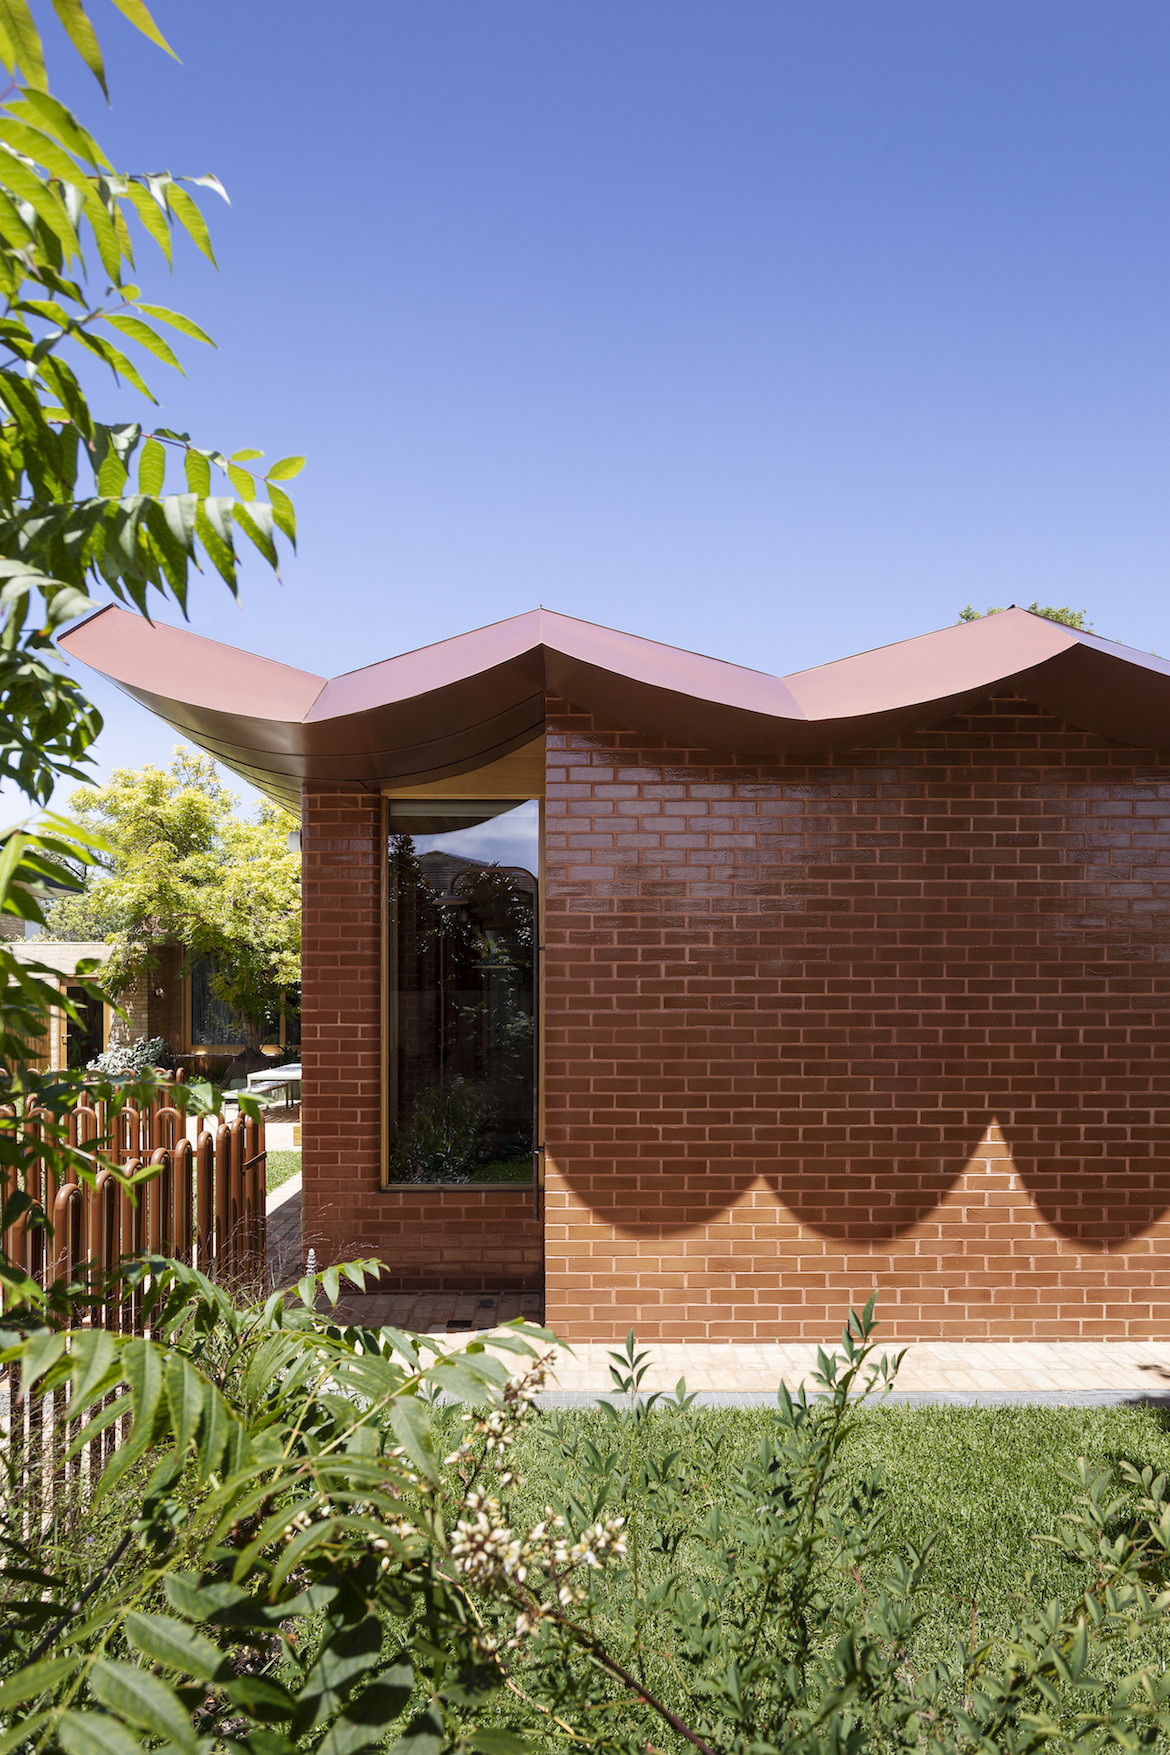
point(1097, 1169)
point(888, 950)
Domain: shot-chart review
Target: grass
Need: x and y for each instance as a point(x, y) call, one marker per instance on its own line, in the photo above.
point(505, 1170)
point(987, 1483)
point(281, 1166)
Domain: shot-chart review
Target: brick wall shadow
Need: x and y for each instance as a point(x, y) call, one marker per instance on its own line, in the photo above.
point(835, 977)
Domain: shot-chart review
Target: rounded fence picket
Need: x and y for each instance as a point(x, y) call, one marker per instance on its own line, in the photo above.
point(201, 1201)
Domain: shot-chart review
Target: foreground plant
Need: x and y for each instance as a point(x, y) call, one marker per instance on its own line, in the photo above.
point(645, 1611)
point(307, 1551)
point(268, 1587)
point(95, 503)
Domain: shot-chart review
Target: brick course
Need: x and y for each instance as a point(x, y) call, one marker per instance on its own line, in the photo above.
point(448, 1239)
point(890, 1019)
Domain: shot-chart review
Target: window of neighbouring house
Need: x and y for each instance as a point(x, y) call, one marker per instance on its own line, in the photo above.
point(214, 1024)
point(462, 969)
point(85, 1034)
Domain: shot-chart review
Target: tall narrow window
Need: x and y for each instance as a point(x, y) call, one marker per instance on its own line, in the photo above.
point(463, 930)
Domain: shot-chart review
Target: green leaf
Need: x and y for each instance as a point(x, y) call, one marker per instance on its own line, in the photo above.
point(189, 216)
point(152, 468)
point(344, 1657)
point(244, 456)
point(198, 473)
point(144, 1700)
point(285, 469)
point(365, 1721)
point(411, 1421)
point(26, 41)
point(499, 1743)
point(24, 183)
point(185, 1395)
point(36, 1679)
point(146, 337)
point(173, 1644)
point(198, 1598)
point(177, 321)
point(283, 512)
point(257, 523)
point(213, 1432)
point(115, 359)
point(142, 1362)
point(221, 553)
point(38, 146)
point(38, 107)
point(140, 18)
point(243, 483)
point(95, 1733)
point(39, 1354)
point(423, 1736)
point(81, 34)
point(262, 1697)
point(153, 219)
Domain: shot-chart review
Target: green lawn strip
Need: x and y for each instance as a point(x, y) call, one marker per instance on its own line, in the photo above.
point(504, 1170)
point(282, 1165)
point(987, 1482)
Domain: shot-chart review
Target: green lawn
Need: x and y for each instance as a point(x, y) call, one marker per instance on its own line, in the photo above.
point(504, 1170)
point(282, 1165)
point(987, 1481)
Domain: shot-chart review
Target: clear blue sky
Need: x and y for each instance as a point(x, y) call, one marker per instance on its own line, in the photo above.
point(773, 330)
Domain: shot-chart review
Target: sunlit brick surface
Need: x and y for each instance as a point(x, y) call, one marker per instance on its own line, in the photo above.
point(894, 1020)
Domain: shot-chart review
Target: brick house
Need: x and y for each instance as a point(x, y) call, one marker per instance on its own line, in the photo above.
point(851, 979)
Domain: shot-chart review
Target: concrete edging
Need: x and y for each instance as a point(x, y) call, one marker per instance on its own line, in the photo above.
point(911, 1398)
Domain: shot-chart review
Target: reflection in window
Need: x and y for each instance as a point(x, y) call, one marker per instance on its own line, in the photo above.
point(213, 1023)
point(463, 893)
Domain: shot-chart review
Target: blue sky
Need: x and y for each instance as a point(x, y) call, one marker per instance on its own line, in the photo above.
point(774, 330)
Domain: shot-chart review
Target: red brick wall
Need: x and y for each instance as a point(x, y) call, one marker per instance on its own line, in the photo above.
point(892, 1019)
point(431, 1238)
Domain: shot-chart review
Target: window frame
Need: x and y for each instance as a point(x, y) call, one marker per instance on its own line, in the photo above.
point(518, 776)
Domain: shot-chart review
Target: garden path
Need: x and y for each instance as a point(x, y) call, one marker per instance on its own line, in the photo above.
point(1071, 1373)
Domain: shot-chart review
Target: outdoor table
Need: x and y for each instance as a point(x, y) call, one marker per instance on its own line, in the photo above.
point(279, 1078)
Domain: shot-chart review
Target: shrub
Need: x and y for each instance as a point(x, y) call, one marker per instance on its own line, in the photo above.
point(302, 1566)
point(131, 1059)
point(441, 1137)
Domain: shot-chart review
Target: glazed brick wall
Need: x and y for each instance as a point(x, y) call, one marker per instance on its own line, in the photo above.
point(895, 1019)
point(446, 1239)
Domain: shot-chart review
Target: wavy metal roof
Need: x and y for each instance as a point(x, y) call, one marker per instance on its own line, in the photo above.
point(450, 707)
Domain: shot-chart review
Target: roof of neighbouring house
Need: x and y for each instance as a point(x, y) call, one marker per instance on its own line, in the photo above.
point(451, 707)
point(61, 955)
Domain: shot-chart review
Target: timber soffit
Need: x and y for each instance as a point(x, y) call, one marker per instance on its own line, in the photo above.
point(454, 705)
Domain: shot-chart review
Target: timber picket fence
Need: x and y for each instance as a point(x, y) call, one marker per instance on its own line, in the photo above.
point(203, 1204)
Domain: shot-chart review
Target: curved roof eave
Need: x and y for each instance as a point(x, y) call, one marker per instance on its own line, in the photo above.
point(449, 707)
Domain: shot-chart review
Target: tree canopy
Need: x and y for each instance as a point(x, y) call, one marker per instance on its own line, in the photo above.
point(90, 507)
point(1072, 618)
point(179, 865)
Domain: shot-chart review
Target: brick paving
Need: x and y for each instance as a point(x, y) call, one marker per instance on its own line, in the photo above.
point(1061, 1371)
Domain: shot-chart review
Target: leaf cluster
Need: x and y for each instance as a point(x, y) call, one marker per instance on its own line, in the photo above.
point(267, 1592)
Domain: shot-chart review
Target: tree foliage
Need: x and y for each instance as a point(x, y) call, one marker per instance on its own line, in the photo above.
point(1071, 618)
point(179, 865)
point(302, 1550)
point(89, 504)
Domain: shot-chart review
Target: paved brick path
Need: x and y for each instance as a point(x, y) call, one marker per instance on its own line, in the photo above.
point(1065, 1372)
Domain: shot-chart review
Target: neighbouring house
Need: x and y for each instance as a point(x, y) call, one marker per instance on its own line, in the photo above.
point(171, 1001)
point(709, 1001)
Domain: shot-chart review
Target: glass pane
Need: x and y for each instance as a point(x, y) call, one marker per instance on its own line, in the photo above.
point(83, 1035)
point(213, 1024)
point(463, 888)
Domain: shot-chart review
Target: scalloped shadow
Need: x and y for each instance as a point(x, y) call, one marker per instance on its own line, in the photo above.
point(883, 1190)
